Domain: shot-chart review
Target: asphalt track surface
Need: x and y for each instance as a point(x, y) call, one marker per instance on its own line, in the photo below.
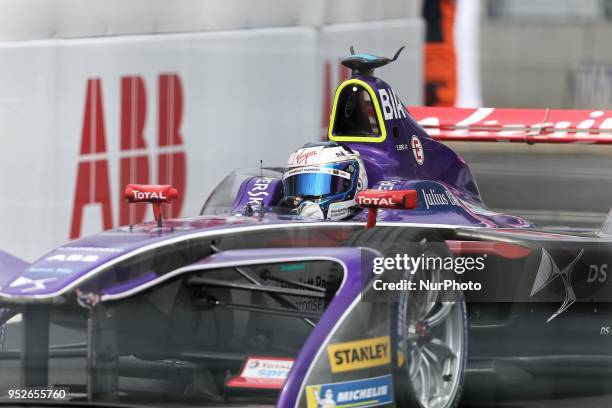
point(553, 186)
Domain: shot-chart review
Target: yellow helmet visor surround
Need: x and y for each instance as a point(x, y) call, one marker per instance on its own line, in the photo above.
point(357, 138)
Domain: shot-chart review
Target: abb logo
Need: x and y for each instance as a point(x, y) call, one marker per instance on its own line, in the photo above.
point(92, 182)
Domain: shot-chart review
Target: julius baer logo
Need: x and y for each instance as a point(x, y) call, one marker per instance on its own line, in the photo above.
point(434, 198)
point(349, 356)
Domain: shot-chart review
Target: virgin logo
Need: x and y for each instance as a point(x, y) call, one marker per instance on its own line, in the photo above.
point(135, 157)
point(302, 158)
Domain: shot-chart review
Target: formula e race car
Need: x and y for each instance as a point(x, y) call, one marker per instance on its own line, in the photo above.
point(423, 297)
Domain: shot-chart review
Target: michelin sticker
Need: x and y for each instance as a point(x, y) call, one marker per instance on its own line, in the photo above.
point(356, 355)
point(369, 392)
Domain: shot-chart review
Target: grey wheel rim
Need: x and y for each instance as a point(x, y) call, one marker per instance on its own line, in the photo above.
point(433, 337)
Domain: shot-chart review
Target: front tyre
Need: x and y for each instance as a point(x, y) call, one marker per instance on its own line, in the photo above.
point(431, 342)
point(429, 333)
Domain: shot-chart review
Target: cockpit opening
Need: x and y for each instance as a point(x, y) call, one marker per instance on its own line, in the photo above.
point(355, 114)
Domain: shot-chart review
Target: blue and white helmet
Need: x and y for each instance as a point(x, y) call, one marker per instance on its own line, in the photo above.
point(327, 174)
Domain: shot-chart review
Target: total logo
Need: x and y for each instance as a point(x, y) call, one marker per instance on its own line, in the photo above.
point(135, 157)
point(145, 195)
point(375, 201)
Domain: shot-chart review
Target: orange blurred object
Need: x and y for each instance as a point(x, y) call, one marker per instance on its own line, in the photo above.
point(440, 58)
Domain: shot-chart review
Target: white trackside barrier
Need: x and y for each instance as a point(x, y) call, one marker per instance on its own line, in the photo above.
point(80, 119)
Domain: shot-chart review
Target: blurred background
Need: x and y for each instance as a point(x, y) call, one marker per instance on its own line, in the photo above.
point(545, 54)
point(95, 94)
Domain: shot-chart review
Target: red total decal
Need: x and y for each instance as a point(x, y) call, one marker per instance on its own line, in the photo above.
point(93, 183)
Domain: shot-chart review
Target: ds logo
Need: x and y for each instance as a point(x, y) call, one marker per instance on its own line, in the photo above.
point(597, 273)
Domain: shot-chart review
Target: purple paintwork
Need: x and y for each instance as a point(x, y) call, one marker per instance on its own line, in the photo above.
point(10, 267)
point(439, 201)
point(129, 285)
point(391, 158)
point(257, 191)
point(67, 266)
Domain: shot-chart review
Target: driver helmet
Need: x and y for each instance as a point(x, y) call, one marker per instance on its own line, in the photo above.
point(327, 174)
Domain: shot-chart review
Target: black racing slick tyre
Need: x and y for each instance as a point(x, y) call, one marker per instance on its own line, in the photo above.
point(428, 331)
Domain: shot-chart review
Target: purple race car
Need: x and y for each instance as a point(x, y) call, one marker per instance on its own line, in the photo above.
point(275, 295)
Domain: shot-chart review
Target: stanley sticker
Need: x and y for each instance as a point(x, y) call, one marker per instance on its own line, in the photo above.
point(355, 355)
